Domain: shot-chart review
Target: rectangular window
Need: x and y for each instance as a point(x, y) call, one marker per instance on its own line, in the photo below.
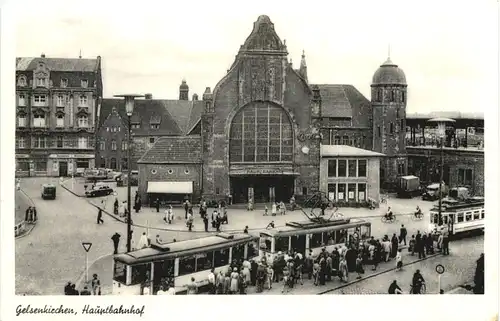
point(136, 126)
point(83, 121)
point(460, 217)
point(403, 127)
point(204, 261)
point(119, 274)
point(22, 100)
point(39, 121)
point(187, 265)
point(140, 273)
point(82, 102)
point(21, 121)
point(151, 140)
point(155, 126)
point(113, 145)
point(332, 190)
point(351, 191)
point(60, 121)
point(21, 142)
point(352, 168)
point(39, 100)
point(345, 140)
point(337, 140)
point(59, 141)
point(476, 215)
point(341, 194)
point(361, 192)
point(64, 83)
point(40, 82)
point(84, 83)
point(60, 100)
point(468, 177)
point(362, 168)
point(39, 142)
point(82, 142)
point(40, 166)
point(379, 131)
point(102, 145)
point(316, 240)
point(217, 190)
point(342, 167)
point(221, 258)
point(468, 216)
point(391, 128)
point(124, 145)
point(304, 190)
point(332, 168)
point(281, 244)
point(403, 96)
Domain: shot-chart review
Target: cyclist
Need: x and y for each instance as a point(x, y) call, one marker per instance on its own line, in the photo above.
point(394, 288)
point(417, 282)
point(389, 216)
point(418, 212)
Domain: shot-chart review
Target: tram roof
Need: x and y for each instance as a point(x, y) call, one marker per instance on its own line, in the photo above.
point(319, 228)
point(183, 248)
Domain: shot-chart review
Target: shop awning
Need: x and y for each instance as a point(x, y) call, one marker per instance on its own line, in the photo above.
point(170, 187)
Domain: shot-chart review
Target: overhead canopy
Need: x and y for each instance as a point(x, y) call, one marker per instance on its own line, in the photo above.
point(170, 187)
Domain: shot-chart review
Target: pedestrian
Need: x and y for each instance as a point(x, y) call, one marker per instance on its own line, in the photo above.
point(446, 244)
point(28, 214)
point(116, 241)
point(186, 208)
point(418, 244)
point(412, 245)
point(189, 222)
point(99, 217)
point(73, 290)
point(399, 261)
point(205, 222)
point(402, 234)
point(245, 230)
point(282, 208)
point(270, 225)
point(67, 289)
point(115, 206)
point(266, 210)
point(96, 285)
point(157, 205)
point(211, 281)
point(85, 291)
point(394, 245)
point(359, 266)
point(430, 244)
point(18, 184)
point(343, 272)
point(387, 249)
point(273, 209)
point(161, 291)
point(143, 241)
point(234, 281)
point(158, 240)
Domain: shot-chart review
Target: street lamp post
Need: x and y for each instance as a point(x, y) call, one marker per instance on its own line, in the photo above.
point(441, 126)
point(129, 108)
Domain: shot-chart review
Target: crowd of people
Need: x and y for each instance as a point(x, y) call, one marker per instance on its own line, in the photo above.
point(95, 287)
point(31, 215)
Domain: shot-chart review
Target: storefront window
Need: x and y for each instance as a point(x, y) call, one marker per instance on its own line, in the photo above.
point(341, 194)
point(351, 191)
point(362, 168)
point(362, 192)
point(342, 167)
point(332, 168)
point(332, 189)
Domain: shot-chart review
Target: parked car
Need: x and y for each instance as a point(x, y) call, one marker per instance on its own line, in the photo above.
point(122, 180)
point(432, 192)
point(99, 190)
point(408, 186)
point(48, 191)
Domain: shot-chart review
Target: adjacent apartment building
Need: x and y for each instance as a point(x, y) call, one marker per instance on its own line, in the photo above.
point(56, 106)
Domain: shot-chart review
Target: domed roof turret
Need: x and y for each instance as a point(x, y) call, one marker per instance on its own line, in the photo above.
point(389, 74)
point(184, 85)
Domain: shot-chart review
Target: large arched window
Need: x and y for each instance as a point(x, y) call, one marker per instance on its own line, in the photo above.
point(261, 132)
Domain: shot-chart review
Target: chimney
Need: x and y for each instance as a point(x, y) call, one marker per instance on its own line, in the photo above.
point(42, 55)
point(148, 96)
point(195, 97)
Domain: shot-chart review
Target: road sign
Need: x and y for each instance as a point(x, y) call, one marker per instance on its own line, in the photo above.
point(86, 246)
point(439, 269)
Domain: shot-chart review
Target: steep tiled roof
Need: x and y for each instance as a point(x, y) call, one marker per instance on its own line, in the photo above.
point(356, 99)
point(336, 102)
point(57, 64)
point(346, 151)
point(174, 150)
point(195, 116)
point(180, 111)
point(144, 111)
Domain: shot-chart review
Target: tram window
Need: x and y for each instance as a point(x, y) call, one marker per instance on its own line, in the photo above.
point(340, 236)
point(468, 217)
point(204, 261)
point(282, 244)
point(265, 242)
point(187, 265)
point(460, 217)
point(329, 238)
point(298, 242)
point(316, 240)
point(238, 252)
point(365, 232)
point(140, 273)
point(252, 249)
point(445, 219)
point(120, 272)
point(221, 257)
point(482, 214)
point(476, 215)
point(435, 218)
point(165, 268)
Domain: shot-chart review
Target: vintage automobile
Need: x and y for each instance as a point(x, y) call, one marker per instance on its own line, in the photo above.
point(432, 192)
point(99, 190)
point(408, 186)
point(48, 191)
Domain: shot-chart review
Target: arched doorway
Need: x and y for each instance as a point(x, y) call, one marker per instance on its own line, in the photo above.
point(261, 154)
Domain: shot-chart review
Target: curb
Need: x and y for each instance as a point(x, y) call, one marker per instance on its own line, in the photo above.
point(81, 278)
point(375, 274)
point(32, 226)
point(68, 189)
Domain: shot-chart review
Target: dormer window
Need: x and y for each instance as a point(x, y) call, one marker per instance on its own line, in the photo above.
point(155, 126)
point(64, 83)
point(136, 126)
point(83, 101)
point(40, 82)
point(39, 100)
point(84, 83)
point(22, 81)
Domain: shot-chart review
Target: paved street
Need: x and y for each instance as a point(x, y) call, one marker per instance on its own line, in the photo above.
point(459, 266)
point(22, 203)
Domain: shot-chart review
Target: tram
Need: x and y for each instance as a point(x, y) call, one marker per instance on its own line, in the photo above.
point(459, 216)
point(178, 262)
point(312, 235)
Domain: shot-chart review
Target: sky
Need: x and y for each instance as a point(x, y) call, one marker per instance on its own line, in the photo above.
point(447, 49)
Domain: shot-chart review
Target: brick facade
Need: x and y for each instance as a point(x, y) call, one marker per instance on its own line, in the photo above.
point(111, 149)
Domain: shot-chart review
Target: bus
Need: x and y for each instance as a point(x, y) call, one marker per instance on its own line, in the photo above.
point(459, 216)
point(177, 262)
point(311, 235)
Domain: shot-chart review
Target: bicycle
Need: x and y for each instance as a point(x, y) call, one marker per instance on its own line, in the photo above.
point(417, 216)
point(390, 219)
point(423, 289)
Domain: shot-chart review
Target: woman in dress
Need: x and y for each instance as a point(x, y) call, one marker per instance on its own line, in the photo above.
point(273, 209)
point(359, 266)
point(286, 277)
point(344, 276)
point(234, 281)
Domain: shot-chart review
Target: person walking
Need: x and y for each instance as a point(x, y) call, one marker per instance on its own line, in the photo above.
point(96, 285)
point(99, 217)
point(116, 241)
point(394, 245)
point(143, 242)
point(359, 266)
point(412, 245)
point(186, 208)
point(189, 222)
point(211, 281)
point(33, 214)
point(205, 222)
point(402, 234)
point(157, 205)
point(273, 209)
point(28, 214)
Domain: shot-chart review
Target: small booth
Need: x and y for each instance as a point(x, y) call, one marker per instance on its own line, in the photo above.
point(170, 192)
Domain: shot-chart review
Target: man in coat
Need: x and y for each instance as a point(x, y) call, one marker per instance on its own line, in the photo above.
point(116, 241)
